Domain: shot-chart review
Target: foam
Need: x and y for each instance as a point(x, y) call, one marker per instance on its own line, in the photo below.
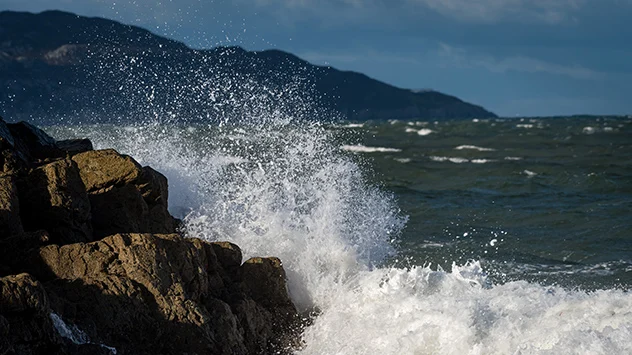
point(363, 149)
point(352, 125)
point(455, 160)
point(425, 311)
point(473, 147)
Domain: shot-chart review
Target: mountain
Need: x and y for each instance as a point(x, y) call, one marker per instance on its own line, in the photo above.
point(57, 64)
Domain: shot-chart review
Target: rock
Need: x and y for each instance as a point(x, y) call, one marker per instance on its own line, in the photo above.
point(101, 170)
point(53, 197)
point(125, 197)
point(265, 282)
point(5, 345)
point(228, 254)
point(10, 224)
point(152, 294)
point(5, 133)
point(265, 279)
point(32, 143)
point(10, 162)
point(140, 293)
point(25, 308)
point(75, 146)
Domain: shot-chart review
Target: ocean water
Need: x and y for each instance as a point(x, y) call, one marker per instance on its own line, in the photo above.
point(500, 236)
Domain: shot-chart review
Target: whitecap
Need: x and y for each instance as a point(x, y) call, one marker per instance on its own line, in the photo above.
point(364, 149)
point(455, 160)
point(473, 147)
point(352, 125)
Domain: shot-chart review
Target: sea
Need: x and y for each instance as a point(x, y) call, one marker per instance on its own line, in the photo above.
point(477, 236)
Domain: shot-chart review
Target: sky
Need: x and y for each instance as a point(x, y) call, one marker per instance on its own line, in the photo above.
point(513, 57)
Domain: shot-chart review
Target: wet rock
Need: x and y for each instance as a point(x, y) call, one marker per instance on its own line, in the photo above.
point(25, 308)
point(265, 282)
point(53, 198)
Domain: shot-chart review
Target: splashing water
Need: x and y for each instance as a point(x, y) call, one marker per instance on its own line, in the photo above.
point(276, 184)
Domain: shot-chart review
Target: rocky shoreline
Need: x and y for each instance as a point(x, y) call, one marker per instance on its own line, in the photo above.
point(91, 262)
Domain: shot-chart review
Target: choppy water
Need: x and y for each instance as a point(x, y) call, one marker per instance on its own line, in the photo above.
point(545, 200)
point(461, 237)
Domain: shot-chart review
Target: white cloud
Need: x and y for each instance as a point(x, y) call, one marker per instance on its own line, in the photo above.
point(461, 58)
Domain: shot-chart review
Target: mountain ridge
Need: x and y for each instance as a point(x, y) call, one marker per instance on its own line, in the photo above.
point(60, 64)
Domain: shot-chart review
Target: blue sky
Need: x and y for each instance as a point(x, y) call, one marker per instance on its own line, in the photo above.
point(514, 57)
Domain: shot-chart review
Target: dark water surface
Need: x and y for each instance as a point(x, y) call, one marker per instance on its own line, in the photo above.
point(546, 200)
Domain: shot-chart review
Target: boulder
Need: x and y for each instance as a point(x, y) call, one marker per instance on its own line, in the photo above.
point(53, 197)
point(148, 294)
point(24, 317)
point(125, 197)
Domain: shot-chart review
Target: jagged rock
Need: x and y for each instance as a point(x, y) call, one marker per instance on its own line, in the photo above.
point(264, 281)
point(53, 197)
point(25, 307)
point(125, 197)
point(32, 143)
point(147, 294)
point(104, 169)
point(10, 223)
point(14, 251)
point(141, 293)
point(75, 146)
point(10, 162)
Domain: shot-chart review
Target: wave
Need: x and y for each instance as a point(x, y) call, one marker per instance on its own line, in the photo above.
point(289, 191)
point(363, 149)
point(473, 147)
point(278, 185)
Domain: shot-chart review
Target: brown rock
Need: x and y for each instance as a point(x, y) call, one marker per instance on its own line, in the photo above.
point(104, 169)
point(154, 188)
point(53, 197)
point(148, 294)
point(125, 197)
point(24, 306)
point(10, 224)
point(228, 255)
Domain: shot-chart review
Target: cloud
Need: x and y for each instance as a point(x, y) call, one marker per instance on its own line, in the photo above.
point(320, 58)
point(468, 11)
point(492, 11)
point(463, 59)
